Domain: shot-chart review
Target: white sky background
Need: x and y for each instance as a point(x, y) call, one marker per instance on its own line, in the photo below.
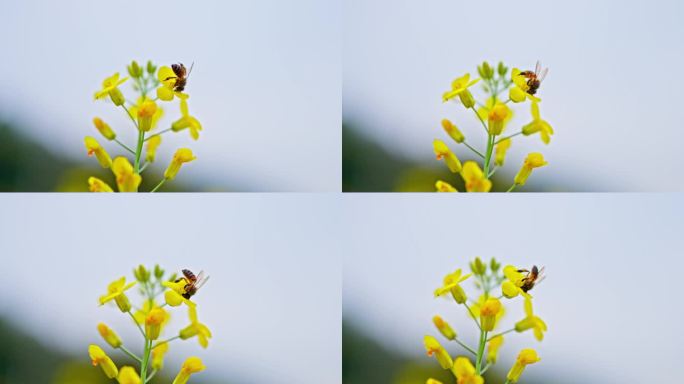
point(273, 301)
point(612, 93)
point(611, 298)
point(266, 82)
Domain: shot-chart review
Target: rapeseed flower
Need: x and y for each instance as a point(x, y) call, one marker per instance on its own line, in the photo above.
point(533, 160)
point(190, 366)
point(459, 87)
point(538, 125)
point(196, 329)
point(109, 335)
point(94, 148)
point(451, 283)
point(182, 156)
point(128, 375)
point(443, 186)
point(453, 131)
point(443, 152)
point(465, 372)
point(110, 87)
point(126, 178)
point(444, 328)
point(433, 347)
point(186, 121)
point(531, 322)
point(115, 291)
point(99, 357)
point(488, 313)
point(475, 180)
point(493, 347)
point(97, 185)
point(525, 358)
point(104, 129)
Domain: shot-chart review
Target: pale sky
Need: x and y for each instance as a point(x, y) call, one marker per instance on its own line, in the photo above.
point(266, 82)
point(612, 92)
point(610, 299)
point(273, 301)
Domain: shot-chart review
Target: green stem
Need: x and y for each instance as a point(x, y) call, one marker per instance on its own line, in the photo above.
point(508, 137)
point(126, 147)
point(473, 149)
point(136, 323)
point(486, 367)
point(166, 341)
point(138, 150)
point(158, 185)
point(512, 188)
point(159, 133)
point(144, 166)
point(151, 376)
point(473, 315)
point(467, 348)
point(480, 351)
point(146, 361)
point(130, 354)
point(488, 156)
point(501, 334)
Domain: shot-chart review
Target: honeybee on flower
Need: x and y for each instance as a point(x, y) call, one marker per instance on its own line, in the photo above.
point(497, 287)
point(494, 114)
point(145, 114)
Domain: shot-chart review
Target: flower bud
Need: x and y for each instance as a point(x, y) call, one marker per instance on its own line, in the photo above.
point(117, 97)
point(104, 129)
point(141, 274)
point(502, 69)
point(478, 267)
point(151, 68)
point(146, 112)
point(128, 375)
point(525, 357)
point(467, 99)
point(485, 70)
point(152, 145)
point(488, 313)
point(153, 323)
point(97, 185)
point(433, 347)
point(126, 179)
point(494, 265)
point(453, 131)
point(459, 294)
point(497, 117)
point(158, 353)
point(533, 160)
point(474, 177)
point(99, 357)
point(500, 151)
point(443, 152)
point(109, 335)
point(135, 70)
point(182, 156)
point(123, 303)
point(444, 328)
point(94, 148)
point(493, 348)
point(443, 186)
point(190, 366)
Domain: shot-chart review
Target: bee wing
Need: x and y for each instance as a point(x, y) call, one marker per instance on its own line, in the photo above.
point(543, 75)
point(537, 68)
point(190, 71)
point(201, 281)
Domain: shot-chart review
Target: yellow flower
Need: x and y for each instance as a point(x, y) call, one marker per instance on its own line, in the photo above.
point(443, 152)
point(459, 87)
point(443, 186)
point(465, 372)
point(453, 131)
point(104, 129)
point(533, 160)
point(126, 179)
point(167, 78)
point(128, 375)
point(488, 313)
point(497, 117)
point(525, 357)
point(153, 323)
point(531, 322)
point(511, 287)
point(110, 87)
point(99, 357)
point(143, 104)
point(186, 121)
point(518, 92)
point(152, 144)
point(145, 114)
point(158, 353)
point(196, 329)
point(433, 381)
point(94, 148)
point(115, 291)
point(538, 125)
point(109, 335)
point(501, 149)
point(183, 155)
point(97, 185)
point(190, 366)
point(433, 347)
point(444, 328)
point(493, 348)
point(174, 295)
point(474, 178)
point(451, 283)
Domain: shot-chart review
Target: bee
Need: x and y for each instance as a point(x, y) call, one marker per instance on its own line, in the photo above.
point(192, 283)
point(535, 78)
point(531, 278)
point(181, 77)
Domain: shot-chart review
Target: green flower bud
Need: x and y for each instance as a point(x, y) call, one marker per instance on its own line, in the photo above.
point(117, 97)
point(485, 70)
point(467, 99)
point(134, 69)
point(502, 69)
point(478, 267)
point(494, 265)
point(158, 272)
point(141, 274)
point(151, 68)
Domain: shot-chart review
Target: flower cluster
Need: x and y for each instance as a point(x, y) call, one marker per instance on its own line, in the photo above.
point(496, 286)
point(153, 87)
point(494, 114)
point(151, 318)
